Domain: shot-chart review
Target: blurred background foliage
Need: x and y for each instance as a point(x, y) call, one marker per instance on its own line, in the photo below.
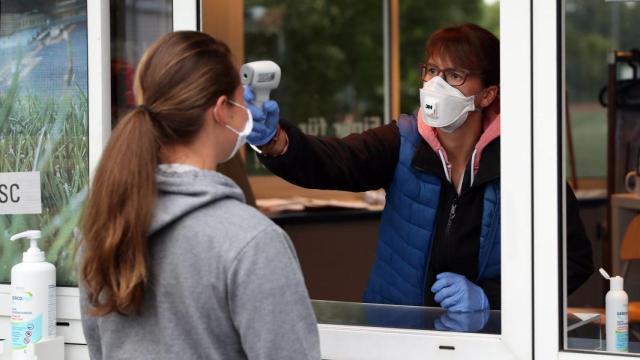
point(593, 29)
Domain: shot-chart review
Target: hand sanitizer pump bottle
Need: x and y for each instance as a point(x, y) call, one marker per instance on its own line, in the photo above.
point(617, 314)
point(33, 297)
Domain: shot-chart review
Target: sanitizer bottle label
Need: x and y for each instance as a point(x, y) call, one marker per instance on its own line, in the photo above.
point(25, 328)
point(622, 332)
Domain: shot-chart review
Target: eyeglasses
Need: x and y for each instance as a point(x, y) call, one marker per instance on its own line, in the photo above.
point(454, 77)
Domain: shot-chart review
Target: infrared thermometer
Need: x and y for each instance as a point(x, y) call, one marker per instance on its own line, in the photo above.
point(262, 77)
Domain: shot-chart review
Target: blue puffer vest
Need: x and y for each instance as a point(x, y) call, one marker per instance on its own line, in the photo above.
point(407, 226)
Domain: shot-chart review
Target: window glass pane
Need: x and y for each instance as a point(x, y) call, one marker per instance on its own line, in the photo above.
point(418, 19)
point(406, 317)
point(331, 56)
point(594, 29)
point(135, 24)
point(44, 122)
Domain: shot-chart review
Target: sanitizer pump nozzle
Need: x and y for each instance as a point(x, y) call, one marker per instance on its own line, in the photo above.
point(34, 254)
point(617, 314)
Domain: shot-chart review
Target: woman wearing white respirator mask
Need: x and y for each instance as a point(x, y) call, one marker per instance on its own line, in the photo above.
point(439, 238)
point(173, 263)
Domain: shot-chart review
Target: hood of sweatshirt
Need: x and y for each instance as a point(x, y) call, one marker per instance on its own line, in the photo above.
point(182, 192)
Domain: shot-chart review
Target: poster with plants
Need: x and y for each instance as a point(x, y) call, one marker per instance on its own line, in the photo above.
point(44, 123)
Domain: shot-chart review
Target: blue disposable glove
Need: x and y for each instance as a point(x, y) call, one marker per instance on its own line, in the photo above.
point(455, 293)
point(265, 120)
point(462, 321)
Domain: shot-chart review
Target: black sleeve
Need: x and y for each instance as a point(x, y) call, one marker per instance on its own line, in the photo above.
point(492, 290)
point(579, 255)
point(358, 162)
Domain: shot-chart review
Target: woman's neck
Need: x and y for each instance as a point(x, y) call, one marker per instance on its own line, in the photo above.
point(188, 155)
point(459, 145)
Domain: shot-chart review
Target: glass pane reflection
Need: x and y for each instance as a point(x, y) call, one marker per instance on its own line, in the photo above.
point(135, 24)
point(331, 56)
point(406, 317)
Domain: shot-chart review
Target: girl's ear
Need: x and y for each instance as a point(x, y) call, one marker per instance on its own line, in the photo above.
point(219, 111)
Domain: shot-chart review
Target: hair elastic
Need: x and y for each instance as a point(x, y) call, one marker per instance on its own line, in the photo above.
point(146, 109)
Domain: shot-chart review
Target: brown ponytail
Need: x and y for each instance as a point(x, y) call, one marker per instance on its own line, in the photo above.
point(180, 76)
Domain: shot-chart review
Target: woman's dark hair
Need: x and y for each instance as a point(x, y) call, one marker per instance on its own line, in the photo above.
point(180, 76)
point(469, 46)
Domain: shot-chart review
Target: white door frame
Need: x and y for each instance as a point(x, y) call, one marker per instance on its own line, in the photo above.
point(516, 341)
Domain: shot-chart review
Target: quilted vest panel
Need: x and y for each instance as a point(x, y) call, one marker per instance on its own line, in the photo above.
point(407, 225)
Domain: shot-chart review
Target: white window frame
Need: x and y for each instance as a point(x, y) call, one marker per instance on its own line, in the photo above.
point(185, 17)
point(516, 340)
point(545, 178)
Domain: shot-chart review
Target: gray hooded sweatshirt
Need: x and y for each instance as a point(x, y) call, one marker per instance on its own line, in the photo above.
point(225, 283)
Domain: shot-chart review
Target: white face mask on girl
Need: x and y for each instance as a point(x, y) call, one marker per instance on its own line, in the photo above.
point(242, 135)
point(444, 106)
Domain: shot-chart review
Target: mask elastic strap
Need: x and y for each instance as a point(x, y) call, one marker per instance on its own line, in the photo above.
point(473, 161)
point(255, 148)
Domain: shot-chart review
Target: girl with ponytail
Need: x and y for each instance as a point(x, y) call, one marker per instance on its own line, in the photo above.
point(173, 263)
